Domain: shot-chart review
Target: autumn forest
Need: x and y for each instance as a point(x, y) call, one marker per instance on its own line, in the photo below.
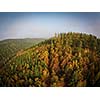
point(65, 60)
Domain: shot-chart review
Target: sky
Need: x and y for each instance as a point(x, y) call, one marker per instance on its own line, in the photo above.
point(45, 24)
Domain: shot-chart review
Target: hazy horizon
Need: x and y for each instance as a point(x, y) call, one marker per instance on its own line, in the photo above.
point(17, 25)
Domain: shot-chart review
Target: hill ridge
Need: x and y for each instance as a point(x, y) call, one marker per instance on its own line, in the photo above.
point(64, 60)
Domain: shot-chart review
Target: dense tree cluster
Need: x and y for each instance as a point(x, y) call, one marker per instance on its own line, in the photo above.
point(68, 59)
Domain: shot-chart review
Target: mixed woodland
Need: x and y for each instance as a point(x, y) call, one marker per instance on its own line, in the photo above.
point(65, 60)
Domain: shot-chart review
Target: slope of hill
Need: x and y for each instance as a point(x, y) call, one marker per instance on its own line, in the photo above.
point(71, 59)
point(9, 47)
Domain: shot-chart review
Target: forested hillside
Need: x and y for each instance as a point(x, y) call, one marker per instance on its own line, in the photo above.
point(9, 47)
point(68, 59)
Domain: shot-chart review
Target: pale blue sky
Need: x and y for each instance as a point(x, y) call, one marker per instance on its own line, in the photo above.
point(44, 25)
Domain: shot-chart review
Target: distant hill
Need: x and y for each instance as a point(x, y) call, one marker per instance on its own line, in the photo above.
point(10, 47)
point(68, 59)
